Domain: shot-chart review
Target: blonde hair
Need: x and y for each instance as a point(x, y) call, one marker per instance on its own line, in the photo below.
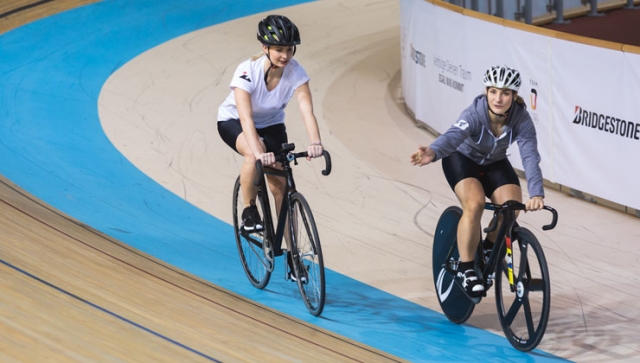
point(257, 56)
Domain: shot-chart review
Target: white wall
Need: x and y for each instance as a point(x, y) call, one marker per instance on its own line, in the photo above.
point(445, 54)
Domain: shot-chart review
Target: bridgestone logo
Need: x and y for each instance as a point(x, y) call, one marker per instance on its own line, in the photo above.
point(608, 124)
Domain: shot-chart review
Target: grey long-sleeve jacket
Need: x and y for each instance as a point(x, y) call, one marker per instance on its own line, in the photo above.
point(471, 135)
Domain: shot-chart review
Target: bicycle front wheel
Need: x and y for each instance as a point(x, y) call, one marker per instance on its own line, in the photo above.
point(257, 261)
point(308, 263)
point(524, 312)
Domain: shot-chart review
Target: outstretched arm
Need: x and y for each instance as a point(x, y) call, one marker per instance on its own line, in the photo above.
point(423, 156)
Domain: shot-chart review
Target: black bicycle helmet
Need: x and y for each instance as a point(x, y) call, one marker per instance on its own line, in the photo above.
point(278, 30)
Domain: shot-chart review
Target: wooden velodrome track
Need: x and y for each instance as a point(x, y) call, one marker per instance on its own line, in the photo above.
point(70, 293)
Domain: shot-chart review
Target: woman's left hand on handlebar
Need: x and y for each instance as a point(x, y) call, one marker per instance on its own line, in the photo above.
point(535, 203)
point(314, 150)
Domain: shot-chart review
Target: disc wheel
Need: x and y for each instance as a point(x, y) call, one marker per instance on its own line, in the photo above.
point(454, 302)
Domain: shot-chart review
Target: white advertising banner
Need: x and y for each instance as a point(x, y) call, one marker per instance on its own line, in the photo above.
point(583, 99)
point(530, 55)
point(408, 31)
point(597, 121)
point(449, 77)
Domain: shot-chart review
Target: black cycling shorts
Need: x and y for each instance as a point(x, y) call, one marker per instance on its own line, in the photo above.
point(273, 136)
point(492, 176)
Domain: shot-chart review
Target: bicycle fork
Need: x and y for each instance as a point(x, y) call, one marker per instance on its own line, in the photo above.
point(509, 260)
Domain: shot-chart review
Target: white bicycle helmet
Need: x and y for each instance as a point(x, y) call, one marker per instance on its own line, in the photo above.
point(502, 77)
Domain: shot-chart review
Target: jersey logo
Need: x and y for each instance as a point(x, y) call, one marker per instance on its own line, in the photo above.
point(461, 124)
point(245, 77)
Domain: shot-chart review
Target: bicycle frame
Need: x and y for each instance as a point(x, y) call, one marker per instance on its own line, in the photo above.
point(276, 236)
point(505, 233)
point(285, 157)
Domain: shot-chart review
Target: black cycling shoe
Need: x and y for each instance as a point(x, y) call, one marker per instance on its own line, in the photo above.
point(471, 283)
point(251, 219)
point(302, 269)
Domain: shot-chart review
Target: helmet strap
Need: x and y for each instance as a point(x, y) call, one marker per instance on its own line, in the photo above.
point(502, 115)
point(266, 74)
point(272, 66)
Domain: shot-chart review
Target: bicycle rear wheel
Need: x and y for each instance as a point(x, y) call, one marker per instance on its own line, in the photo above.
point(454, 302)
point(257, 264)
point(524, 313)
point(308, 263)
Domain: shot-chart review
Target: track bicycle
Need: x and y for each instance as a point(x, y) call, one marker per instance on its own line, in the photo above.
point(516, 265)
point(258, 248)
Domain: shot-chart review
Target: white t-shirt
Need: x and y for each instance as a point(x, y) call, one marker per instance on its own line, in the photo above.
point(268, 106)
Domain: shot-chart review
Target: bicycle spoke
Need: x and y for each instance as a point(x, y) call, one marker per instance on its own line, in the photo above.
point(528, 316)
point(257, 250)
point(257, 266)
point(513, 310)
point(536, 285)
point(308, 263)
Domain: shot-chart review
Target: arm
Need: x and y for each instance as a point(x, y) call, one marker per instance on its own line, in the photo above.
point(303, 94)
point(243, 103)
point(528, 146)
point(444, 145)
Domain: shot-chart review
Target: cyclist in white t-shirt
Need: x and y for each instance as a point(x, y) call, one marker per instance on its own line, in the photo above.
point(251, 118)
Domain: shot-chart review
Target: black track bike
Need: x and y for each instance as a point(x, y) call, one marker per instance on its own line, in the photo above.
point(516, 266)
point(258, 248)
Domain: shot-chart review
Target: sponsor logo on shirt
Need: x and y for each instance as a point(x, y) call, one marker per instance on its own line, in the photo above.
point(282, 107)
point(461, 124)
point(245, 76)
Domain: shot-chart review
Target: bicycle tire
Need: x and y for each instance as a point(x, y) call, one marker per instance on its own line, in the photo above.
point(524, 313)
point(256, 264)
point(307, 256)
point(454, 302)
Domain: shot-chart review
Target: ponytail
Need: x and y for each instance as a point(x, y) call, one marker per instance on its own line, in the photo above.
point(520, 101)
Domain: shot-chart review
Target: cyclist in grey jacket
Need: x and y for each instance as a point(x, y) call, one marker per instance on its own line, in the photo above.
point(474, 159)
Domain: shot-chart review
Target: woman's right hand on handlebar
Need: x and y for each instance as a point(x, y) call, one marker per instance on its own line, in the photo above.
point(267, 159)
point(423, 156)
